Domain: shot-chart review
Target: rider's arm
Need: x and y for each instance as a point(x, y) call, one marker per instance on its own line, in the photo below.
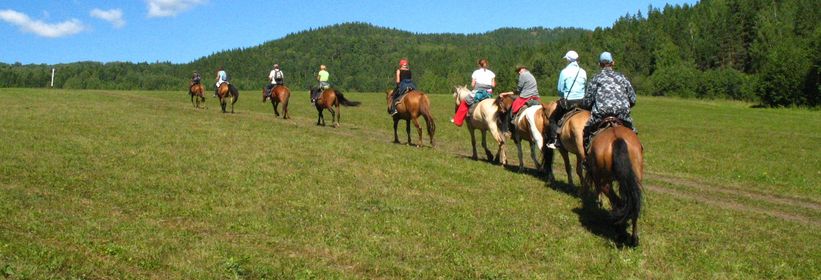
point(397, 76)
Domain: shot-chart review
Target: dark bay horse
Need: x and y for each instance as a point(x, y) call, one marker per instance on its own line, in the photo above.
point(197, 98)
point(278, 94)
point(227, 93)
point(330, 99)
point(617, 155)
point(414, 104)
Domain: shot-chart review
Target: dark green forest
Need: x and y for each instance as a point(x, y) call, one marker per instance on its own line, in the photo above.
point(763, 51)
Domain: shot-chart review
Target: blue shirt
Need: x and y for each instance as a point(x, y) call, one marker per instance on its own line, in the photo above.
point(567, 88)
point(221, 74)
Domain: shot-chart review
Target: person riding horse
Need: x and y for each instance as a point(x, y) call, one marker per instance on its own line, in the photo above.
point(572, 81)
point(196, 78)
point(404, 84)
point(222, 77)
point(609, 93)
point(322, 77)
point(276, 77)
point(482, 80)
point(527, 90)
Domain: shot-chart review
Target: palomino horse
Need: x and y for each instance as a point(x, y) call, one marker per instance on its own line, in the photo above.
point(197, 98)
point(330, 99)
point(484, 118)
point(616, 154)
point(412, 105)
point(572, 140)
point(531, 125)
point(278, 94)
point(227, 93)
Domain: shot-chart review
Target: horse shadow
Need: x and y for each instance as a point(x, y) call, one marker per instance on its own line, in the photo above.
point(596, 220)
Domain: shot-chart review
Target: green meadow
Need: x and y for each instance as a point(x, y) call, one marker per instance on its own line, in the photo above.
point(139, 184)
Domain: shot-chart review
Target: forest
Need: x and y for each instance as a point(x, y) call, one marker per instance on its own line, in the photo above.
point(762, 51)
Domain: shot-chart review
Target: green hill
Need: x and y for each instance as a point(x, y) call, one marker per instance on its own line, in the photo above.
point(766, 51)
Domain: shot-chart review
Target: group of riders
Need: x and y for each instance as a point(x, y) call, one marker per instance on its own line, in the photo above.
point(609, 93)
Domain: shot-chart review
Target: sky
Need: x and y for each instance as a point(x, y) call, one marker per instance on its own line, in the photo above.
point(180, 31)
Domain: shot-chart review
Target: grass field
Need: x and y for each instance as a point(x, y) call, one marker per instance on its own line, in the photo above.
point(122, 185)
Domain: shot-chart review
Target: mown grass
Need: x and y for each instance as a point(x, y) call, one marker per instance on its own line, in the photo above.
point(107, 184)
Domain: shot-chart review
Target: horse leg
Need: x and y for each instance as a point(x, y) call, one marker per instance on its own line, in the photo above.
point(488, 154)
point(336, 115)
point(395, 134)
point(431, 126)
point(285, 109)
point(418, 130)
point(472, 131)
point(518, 142)
point(501, 156)
point(407, 131)
point(635, 238)
point(233, 100)
point(274, 104)
point(192, 101)
point(567, 166)
point(319, 117)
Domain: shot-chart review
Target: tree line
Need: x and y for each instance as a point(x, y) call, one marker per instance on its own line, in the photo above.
point(756, 50)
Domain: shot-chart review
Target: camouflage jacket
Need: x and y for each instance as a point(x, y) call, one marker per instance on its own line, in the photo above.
point(609, 93)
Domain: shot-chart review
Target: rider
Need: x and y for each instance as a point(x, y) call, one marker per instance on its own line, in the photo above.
point(609, 93)
point(404, 84)
point(195, 78)
point(276, 77)
point(221, 78)
point(322, 77)
point(527, 90)
point(481, 80)
point(571, 91)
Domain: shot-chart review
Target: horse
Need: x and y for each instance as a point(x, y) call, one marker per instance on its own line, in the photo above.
point(616, 154)
point(329, 99)
point(195, 91)
point(227, 93)
point(531, 124)
point(572, 141)
point(409, 108)
point(278, 94)
point(484, 118)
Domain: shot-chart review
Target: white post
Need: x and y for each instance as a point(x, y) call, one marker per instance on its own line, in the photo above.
point(52, 77)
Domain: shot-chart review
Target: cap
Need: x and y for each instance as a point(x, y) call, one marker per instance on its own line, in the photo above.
point(571, 56)
point(606, 57)
point(403, 62)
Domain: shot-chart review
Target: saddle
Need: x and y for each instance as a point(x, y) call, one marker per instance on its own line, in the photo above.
point(569, 115)
point(402, 96)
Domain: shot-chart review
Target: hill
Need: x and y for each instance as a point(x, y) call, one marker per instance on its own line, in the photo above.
point(765, 51)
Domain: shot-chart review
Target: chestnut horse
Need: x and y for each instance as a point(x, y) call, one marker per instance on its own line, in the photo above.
point(412, 105)
point(330, 99)
point(531, 124)
point(617, 155)
point(572, 141)
point(197, 98)
point(278, 94)
point(227, 93)
point(485, 118)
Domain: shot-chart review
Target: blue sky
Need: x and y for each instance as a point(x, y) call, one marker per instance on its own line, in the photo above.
point(180, 31)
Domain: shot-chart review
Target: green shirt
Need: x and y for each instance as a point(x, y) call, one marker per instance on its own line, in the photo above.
point(323, 75)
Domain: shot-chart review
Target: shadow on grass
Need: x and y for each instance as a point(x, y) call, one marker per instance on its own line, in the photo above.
point(598, 221)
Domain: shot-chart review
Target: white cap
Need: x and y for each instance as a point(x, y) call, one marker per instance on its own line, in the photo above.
point(571, 56)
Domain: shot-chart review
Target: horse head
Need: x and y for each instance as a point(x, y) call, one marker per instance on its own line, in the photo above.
point(460, 93)
point(504, 103)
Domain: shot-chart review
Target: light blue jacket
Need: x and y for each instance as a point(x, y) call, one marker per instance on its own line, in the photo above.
point(567, 88)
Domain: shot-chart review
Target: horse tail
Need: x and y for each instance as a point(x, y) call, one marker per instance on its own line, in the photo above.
point(344, 101)
point(234, 92)
point(629, 187)
point(425, 110)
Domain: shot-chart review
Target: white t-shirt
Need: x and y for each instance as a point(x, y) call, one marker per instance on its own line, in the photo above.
point(483, 76)
point(273, 76)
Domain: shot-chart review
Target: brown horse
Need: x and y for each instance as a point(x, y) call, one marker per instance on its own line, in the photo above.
point(617, 155)
point(572, 140)
point(278, 94)
point(195, 91)
point(412, 105)
point(330, 99)
point(531, 124)
point(227, 93)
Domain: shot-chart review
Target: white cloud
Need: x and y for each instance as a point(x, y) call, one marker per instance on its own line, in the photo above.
point(51, 30)
point(169, 8)
point(114, 16)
